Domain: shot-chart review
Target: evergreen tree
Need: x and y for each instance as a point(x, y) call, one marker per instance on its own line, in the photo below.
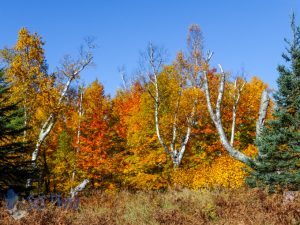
point(13, 153)
point(278, 166)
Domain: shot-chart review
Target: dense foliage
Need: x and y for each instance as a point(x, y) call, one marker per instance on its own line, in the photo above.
point(114, 141)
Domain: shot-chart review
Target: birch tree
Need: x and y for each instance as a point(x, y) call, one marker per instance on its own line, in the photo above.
point(70, 70)
point(264, 103)
point(215, 113)
point(80, 114)
point(216, 116)
point(27, 71)
point(175, 149)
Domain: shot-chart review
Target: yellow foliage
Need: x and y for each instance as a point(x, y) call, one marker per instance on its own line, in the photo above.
point(144, 181)
point(222, 172)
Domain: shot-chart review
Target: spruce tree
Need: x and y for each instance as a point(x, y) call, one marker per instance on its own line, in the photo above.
point(278, 165)
point(13, 152)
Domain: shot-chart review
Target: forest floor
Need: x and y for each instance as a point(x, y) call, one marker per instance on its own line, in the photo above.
point(240, 206)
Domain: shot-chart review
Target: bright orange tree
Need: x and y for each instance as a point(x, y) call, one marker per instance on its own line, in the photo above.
point(94, 158)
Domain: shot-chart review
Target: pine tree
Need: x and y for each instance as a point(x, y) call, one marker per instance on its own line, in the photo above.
point(13, 153)
point(278, 164)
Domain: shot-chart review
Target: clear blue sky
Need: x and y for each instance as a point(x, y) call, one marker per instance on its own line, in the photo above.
point(246, 34)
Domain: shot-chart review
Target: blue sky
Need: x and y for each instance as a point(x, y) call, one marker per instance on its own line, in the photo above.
point(242, 34)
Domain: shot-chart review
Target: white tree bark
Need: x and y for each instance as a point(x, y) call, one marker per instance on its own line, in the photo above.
point(174, 133)
point(123, 78)
point(264, 104)
point(48, 125)
point(236, 97)
point(156, 64)
point(216, 117)
point(176, 155)
point(80, 113)
point(79, 188)
point(71, 71)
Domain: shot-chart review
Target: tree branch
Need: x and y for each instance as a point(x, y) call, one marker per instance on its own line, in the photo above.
point(216, 117)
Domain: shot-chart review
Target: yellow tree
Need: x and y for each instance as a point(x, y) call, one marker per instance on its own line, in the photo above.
point(208, 164)
point(215, 106)
point(181, 80)
point(27, 71)
point(40, 94)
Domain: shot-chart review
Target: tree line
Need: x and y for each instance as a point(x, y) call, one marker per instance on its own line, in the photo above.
point(186, 123)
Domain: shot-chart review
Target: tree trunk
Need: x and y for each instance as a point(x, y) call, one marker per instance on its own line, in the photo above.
point(71, 71)
point(264, 104)
point(216, 117)
point(80, 113)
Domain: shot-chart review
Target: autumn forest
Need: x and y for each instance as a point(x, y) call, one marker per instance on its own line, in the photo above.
point(184, 125)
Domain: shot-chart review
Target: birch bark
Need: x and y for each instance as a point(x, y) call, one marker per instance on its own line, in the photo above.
point(80, 114)
point(216, 115)
point(176, 154)
point(71, 71)
point(236, 98)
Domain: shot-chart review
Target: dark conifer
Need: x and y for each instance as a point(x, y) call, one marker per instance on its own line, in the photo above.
point(278, 166)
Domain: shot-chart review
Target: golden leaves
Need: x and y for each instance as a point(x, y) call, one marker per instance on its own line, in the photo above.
point(222, 172)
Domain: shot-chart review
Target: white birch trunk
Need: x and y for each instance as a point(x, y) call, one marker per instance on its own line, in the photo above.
point(174, 133)
point(79, 188)
point(216, 117)
point(80, 113)
point(175, 154)
point(263, 109)
point(236, 98)
point(48, 125)
point(233, 125)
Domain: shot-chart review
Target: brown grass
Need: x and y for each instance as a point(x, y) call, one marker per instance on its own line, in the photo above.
point(242, 206)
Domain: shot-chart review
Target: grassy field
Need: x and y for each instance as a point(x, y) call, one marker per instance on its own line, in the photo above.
point(242, 206)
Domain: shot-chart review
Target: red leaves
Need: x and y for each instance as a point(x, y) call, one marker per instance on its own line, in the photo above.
point(95, 132)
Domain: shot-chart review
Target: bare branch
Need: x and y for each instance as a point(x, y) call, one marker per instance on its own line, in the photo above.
point(209, 56)
point(155, 60)
point(122, 72)
point(195, 42)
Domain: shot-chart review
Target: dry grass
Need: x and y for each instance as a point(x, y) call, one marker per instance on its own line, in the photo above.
point(184, 207)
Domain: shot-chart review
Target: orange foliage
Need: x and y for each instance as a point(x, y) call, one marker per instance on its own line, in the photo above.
point(95, 140)
point(118, 141)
